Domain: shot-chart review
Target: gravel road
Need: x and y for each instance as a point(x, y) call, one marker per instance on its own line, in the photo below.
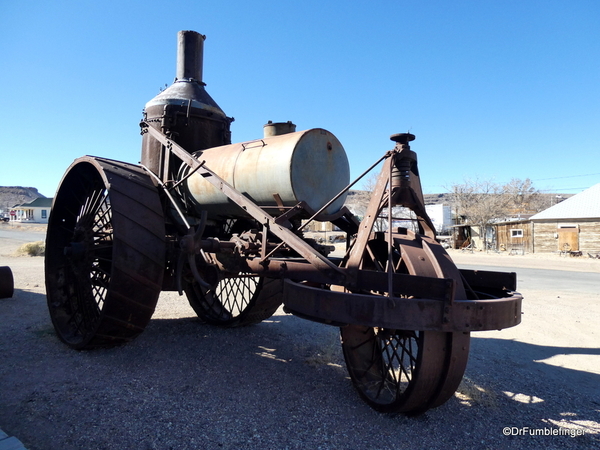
point(282, 384)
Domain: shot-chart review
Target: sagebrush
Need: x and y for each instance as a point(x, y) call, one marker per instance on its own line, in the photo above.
point(33, 249)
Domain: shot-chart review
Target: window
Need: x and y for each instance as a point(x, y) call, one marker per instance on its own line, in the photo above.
point(516, 233)
point(44, 214)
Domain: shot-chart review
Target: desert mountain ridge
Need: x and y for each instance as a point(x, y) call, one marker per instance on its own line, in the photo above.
point(11, 196)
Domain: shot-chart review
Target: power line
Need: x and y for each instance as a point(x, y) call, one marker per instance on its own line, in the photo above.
point(569, 176)
point(560, 190)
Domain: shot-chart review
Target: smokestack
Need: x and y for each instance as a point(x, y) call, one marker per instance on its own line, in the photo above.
point(184, 110)
point(190, 52)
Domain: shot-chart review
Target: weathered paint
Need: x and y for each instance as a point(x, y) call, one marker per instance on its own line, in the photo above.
point(309, 165)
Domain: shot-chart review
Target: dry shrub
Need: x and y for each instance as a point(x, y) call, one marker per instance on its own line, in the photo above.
point(32, 249)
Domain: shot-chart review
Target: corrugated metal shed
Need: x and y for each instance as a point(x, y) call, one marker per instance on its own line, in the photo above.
point(585, 205)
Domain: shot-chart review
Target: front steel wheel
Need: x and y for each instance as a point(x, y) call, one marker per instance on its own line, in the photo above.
point(105, 251)
point(394, 370)
point(406, 371)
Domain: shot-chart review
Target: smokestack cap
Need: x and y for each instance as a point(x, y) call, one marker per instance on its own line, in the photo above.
point(402, 138)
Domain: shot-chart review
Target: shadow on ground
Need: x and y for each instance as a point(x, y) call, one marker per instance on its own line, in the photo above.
point(183, 384)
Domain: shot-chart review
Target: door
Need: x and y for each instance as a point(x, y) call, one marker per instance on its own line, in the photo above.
point(568, 239)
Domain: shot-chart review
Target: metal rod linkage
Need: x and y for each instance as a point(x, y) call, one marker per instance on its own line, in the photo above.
point(387, 155)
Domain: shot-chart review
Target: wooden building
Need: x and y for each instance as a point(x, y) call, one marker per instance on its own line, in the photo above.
point(515, 236)
point(572, 225)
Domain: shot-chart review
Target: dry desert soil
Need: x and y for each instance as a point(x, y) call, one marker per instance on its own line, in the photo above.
point(282, 384)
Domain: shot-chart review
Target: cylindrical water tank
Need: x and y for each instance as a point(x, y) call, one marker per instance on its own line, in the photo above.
point(308, 166)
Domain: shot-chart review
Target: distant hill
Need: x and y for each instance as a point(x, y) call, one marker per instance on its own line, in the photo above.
point(437, 199)
point(362, 197)
point(447, 198)
point(11, 196)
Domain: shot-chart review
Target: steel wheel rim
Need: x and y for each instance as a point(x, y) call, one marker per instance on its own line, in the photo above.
point(228, 301)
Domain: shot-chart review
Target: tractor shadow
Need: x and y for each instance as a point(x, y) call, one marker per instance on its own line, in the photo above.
point(303, 352)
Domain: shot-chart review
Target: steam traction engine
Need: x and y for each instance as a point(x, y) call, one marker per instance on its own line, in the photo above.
point(223, 223)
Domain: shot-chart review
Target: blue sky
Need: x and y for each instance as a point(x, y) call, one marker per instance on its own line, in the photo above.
point(492, 89)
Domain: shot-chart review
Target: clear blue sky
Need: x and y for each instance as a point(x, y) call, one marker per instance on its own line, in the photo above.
point(492, 89)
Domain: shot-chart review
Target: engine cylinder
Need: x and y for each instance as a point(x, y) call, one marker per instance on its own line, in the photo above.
point(309, 166)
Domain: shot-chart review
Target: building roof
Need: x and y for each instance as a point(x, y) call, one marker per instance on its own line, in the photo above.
point(585, 205)
point(40, 202)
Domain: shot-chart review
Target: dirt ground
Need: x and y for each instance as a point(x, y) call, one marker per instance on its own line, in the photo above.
point(283, 384)
point(551, 261)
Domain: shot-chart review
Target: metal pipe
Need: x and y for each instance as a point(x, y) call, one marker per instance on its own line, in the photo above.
point(190, 52)
point(390, 261)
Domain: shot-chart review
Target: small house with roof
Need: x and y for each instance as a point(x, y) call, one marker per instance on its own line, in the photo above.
point(36, 211)
point(572, 225)
point(514, 236)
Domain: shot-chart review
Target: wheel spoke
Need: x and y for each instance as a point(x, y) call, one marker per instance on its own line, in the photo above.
point(235, 294)
point(94, 258)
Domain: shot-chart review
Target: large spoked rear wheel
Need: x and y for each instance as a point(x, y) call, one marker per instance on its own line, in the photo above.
point(105, 251)
point(406, 371)
point(235, 299)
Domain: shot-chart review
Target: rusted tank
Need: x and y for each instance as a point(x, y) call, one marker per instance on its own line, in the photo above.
point(279, 170)
point(223, 224)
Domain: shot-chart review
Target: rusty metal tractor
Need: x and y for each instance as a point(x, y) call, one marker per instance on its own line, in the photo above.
point(225, 225)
